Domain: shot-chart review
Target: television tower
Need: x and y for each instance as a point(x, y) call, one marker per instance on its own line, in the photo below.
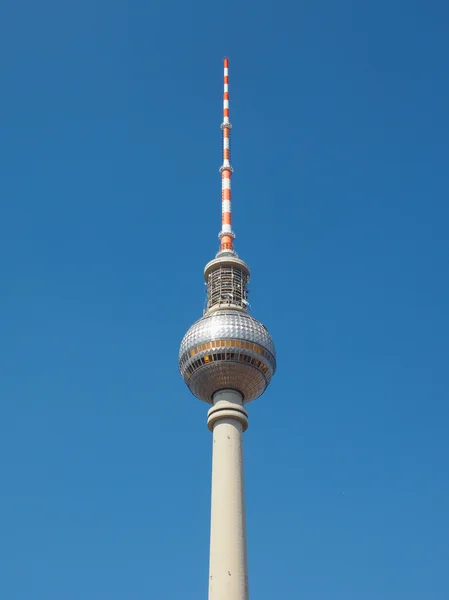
point(227, 358)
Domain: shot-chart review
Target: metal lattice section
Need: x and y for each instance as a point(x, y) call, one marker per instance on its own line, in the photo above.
point(227, 286)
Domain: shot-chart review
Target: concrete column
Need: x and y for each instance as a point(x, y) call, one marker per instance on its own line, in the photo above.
point(228, 569)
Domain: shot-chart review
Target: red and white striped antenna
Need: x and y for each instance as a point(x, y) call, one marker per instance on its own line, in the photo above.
point(226, 234)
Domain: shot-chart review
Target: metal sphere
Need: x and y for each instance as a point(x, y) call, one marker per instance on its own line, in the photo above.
point(227, 349)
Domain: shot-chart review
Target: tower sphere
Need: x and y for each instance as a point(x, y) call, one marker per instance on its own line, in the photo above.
point(227, 349)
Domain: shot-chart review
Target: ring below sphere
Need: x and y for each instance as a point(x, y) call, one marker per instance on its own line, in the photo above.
point(227, 349)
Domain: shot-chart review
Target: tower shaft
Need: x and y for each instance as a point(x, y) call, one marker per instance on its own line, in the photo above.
point(228, 570)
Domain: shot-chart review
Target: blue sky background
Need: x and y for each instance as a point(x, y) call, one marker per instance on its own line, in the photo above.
point(110, 207)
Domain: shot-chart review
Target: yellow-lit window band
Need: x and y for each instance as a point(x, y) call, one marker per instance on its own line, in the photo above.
point(227, 344)
point(225, 356)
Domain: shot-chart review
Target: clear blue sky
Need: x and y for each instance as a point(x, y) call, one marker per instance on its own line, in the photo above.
point(110, 207)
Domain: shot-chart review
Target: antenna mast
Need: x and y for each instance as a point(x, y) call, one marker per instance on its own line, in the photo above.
point(226, 234)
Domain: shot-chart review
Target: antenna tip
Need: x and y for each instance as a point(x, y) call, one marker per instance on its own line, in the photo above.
point(226, 61)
